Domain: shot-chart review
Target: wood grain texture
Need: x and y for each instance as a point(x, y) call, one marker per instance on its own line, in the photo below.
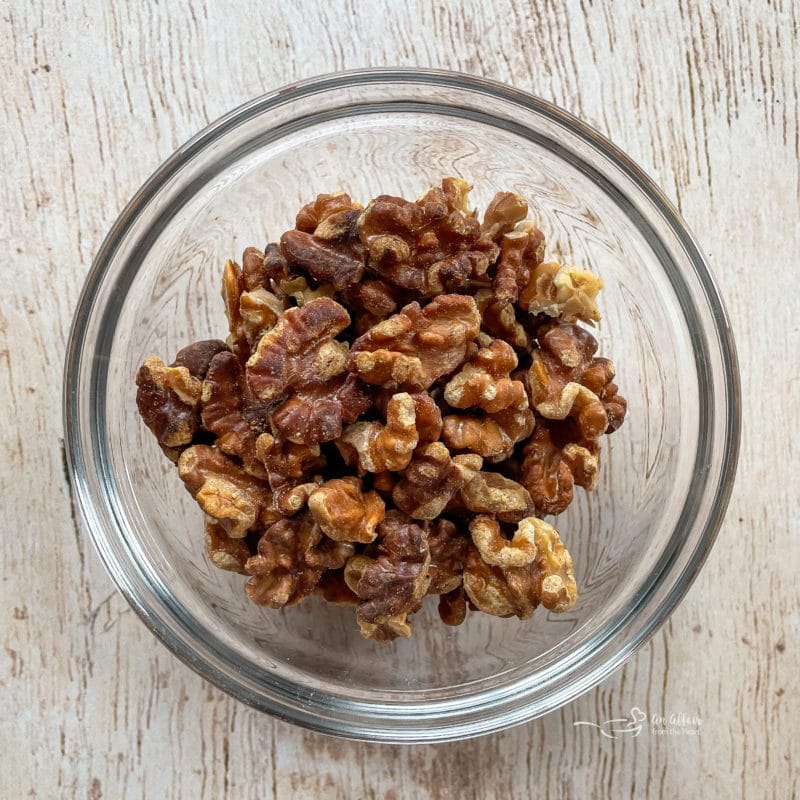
point(704, 96)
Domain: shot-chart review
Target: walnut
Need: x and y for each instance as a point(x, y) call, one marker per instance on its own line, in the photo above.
point(428, 483)
point(448, 547)
point(598, 378)
point(554, 461)
point(223, 551)
point(222, 410)
point(428, 418)
point(299, 355)
point(330, 251)
point(370, 302)
point(323, 206)
point(520, 252)
point(238, 501)
point(384, 482)
point(325, 261)
point(317, 413)
point(373, 296)
point(553, 570)
point(498, 551)
point(492, 436)
point(375, 447)
point(345, 512)
point(290, 470)
point(259, 311)
point(499, 319)
point(484, 383)
point(561, 291)
point(416, 346)
point(250, 313)
point(492, 493)
point(429, 246)
point(468, 464)
point(391, 584)
point(333, 588)
point(557, 379)
point(253, 273)
point(488, 590)
point(292, 556)
point(453, 193)
point(616, 406)
point(453, 607)
point(502, 214)
point(548, 579)
point(263, 270)
point(428, 414)
point(168, 398)
point(300, 350)
point(298, 289)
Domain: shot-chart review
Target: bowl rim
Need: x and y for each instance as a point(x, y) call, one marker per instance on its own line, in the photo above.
point(452, 720)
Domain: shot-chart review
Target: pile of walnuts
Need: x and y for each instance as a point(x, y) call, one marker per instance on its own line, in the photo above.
point(405, 390)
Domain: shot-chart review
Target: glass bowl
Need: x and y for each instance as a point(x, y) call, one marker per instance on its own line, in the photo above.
point(637, 542)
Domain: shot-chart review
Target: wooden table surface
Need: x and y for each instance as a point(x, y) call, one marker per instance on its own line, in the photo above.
point(96, 94)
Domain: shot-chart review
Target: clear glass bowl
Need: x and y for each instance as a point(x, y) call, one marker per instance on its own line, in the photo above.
point(637, 542)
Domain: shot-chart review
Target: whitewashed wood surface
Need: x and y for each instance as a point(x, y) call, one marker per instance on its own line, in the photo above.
point(94, 95)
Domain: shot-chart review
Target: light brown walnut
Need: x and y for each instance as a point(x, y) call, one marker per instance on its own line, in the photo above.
point(238, 501)
point(557, 379)
point(375, 447)
point(562, 291)
point(298, 290)
point(494, 494)
point(250, 313)
point(521, 251)
point(498, 551)
point(553, 570)
point(345, 512)
point(223, 551)
point(502, 214)
point(488, 590)
point(491, 436)
point(499, 319)
point(549, 579)
point(484, 382)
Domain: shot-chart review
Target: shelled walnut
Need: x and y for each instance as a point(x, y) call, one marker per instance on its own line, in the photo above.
point(404, 391)
point(390, 585)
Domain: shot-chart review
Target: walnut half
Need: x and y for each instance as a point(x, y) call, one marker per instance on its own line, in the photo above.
point(537, 569)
